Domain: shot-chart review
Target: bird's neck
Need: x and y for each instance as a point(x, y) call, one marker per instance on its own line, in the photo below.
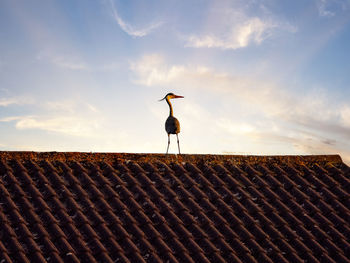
point(170, 107)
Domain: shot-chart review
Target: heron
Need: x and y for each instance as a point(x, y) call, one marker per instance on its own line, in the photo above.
point(172, 125)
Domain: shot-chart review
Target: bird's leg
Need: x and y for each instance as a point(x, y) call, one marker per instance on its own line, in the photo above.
point(178, 143)
point(168, 143)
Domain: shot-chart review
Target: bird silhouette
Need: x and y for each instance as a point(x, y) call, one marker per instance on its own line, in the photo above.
point(172, 125)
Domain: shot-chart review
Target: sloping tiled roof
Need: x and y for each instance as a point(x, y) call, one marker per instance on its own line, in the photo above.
point(86, 207)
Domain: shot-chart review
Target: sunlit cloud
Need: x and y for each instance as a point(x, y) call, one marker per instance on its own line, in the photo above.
point(11, 118)
point(8, 101)
point(345, 115)
point(277, 110)
point(69, 106)
point(235, 128)
point(65, 117)
point(131, 30)
point(153, 70)
point(5, 102)
point(70, 125)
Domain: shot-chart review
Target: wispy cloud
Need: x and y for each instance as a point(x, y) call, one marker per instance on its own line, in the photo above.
point(74, 62)
point(8, 101)
point(330, 8)
point(4, 102)
point(70, 62)
point(233, 28)
point(131, 30)
point(65, 117)
point(251, 31)
point(323, 8)
point(69, 106)
point(11, 118)
point(71, 125)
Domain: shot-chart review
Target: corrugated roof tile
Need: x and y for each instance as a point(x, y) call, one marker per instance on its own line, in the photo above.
point(77, 207)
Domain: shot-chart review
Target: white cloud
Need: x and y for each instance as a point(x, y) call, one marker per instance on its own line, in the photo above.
point(151, 70)
point(233, 28)
point(330, 8)
point(323, 8)
point(129, 29)
point(252, 31)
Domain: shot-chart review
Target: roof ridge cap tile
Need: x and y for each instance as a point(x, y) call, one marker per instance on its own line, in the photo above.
point(169, 158)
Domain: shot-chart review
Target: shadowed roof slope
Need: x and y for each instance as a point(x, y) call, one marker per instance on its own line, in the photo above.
point(104, 207)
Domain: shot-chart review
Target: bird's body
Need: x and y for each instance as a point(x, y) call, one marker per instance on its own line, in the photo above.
point(172, 125)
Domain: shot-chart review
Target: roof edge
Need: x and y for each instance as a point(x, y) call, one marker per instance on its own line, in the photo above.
point(99, 156)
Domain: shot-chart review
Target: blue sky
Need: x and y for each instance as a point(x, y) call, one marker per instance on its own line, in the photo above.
point(259, 77)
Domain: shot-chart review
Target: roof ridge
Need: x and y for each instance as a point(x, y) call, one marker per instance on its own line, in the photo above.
point(143, 157)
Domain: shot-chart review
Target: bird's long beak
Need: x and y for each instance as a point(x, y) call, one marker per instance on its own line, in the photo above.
point(173, 97)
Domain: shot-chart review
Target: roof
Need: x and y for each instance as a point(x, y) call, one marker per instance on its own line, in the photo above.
point(106, 207)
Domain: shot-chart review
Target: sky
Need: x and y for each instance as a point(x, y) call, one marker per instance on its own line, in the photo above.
point(259, 77)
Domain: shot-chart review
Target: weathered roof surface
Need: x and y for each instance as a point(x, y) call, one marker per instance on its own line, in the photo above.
point(89, 207)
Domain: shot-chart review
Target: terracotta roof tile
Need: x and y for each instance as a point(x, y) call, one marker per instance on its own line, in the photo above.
point(81, 207)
